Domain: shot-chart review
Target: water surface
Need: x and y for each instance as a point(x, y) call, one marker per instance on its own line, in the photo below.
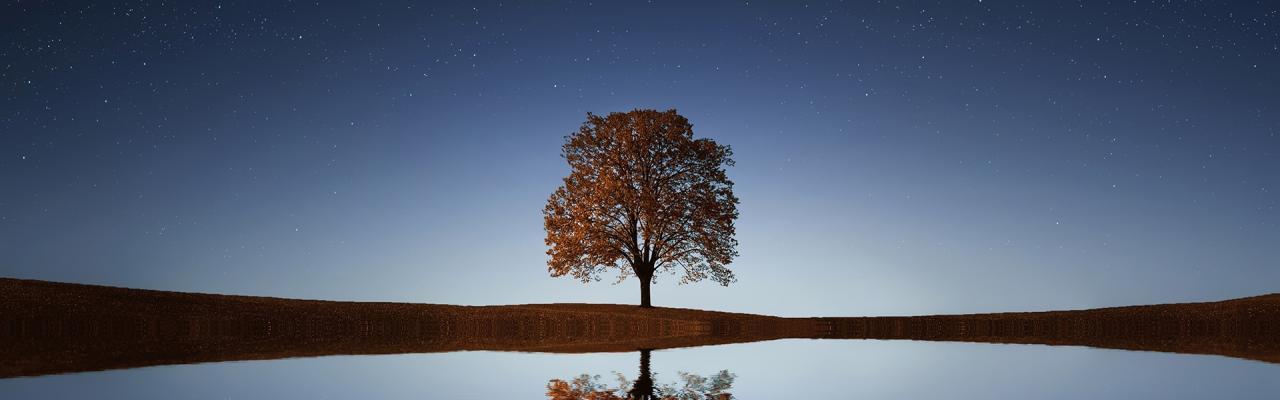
point(787, 368)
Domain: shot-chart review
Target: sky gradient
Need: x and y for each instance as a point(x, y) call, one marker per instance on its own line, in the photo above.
point(897, 158)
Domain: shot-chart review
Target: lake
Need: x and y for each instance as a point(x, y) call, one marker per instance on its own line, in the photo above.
point(788, 368)
point(60, 340)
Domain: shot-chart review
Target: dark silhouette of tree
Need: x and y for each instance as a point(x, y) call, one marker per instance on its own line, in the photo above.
point(642, 196)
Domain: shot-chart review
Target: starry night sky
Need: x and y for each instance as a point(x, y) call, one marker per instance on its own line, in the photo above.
point(892, 158)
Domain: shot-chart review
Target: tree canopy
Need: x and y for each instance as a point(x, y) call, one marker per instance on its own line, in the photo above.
point(642, 196)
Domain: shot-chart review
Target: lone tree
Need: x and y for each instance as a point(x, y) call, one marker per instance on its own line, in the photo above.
point(642, 196)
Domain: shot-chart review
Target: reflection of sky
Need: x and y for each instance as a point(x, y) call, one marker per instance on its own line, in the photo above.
point(779, 369)
point(946, 157)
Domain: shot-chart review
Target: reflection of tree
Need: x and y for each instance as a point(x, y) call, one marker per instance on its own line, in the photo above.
point(690, 387)
point(583, 387)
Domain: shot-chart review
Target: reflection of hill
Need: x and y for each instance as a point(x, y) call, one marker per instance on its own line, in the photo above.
point(48, 328)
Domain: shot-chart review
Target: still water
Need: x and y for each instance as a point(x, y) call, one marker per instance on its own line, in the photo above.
point(790, 368)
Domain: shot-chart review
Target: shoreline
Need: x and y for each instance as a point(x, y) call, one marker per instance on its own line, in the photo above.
point(52, 328)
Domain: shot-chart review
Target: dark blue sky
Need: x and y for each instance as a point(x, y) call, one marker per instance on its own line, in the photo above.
point(892, 158)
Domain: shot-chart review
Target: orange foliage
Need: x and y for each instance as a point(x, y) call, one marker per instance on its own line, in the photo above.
point(642, 196)
point(580, 388)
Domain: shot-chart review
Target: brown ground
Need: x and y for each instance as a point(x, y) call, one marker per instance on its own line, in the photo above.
point(49, 328)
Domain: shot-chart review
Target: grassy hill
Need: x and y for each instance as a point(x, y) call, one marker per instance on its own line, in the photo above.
point(50, 327)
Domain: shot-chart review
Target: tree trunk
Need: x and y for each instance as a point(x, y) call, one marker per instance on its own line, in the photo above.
point(642, 388)
point(644, 290)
